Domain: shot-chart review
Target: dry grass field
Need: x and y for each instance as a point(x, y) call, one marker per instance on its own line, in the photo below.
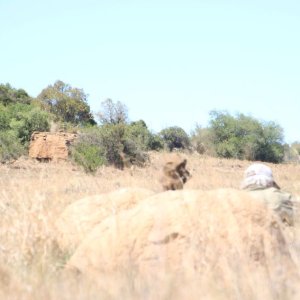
point(32, 196)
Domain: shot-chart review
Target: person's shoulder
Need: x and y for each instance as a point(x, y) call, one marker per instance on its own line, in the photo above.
point(274, 194)
point(282, 194)
point(271, 193)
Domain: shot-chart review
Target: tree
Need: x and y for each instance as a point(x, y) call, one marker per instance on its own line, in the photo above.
point(138, 133)
point(108, 139)
point(292, 152)
point(10, 95)
point(17, 122)
point(202, 140)
point(175, 137)
point(113, 113)
point(24, 120)
point(4, 118)
point(270, 146)
point(244, 137)
point(296, 146)
point(10, 146)
point(67, 103)
point(119, 145)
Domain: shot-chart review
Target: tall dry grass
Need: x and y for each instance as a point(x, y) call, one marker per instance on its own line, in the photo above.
point(32, 195)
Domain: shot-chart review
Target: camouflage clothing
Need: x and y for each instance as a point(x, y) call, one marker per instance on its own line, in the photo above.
point(279, 201)
point(259, 181)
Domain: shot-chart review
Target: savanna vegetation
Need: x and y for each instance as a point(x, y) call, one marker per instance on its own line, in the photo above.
point(109, 137)
point(33, 196)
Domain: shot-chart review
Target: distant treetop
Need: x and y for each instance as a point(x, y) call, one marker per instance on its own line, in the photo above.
point(67, 103)
point(112, 113)
point(10, 95)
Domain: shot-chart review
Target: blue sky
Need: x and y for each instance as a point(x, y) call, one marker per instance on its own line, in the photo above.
point(170, 61)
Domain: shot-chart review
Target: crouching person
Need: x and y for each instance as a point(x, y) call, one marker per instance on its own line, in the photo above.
point(259, 181)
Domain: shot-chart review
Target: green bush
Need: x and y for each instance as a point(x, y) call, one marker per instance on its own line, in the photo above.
point(4, 118)
point(142, 137)
point(10, 95)
point(122, 145)
point(112, 141)
point(118, 145)
point(108, 139)
point(155, 143)
point(27, 119)
point(291, 152)
point(90, 157)
point(296, 147)
point(17, 122)
point(244, 137)
point(10, 146)
point(175, 138)
point(202, 141)
point(68, 104)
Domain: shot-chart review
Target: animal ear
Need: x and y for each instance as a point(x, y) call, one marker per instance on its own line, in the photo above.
point(182, 164)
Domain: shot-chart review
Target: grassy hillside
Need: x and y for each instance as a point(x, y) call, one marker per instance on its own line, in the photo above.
point(32, 195)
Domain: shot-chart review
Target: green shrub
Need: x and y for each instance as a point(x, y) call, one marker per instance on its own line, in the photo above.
point(27, 119)
point(202, 141)
point(155, 142)
point(108, 139)
point(175, 138)
point(10, 146)
point(117, 145)
point(123, 144)
point(90, 157)
point(296, 147)
point(4, 118)
point(144, 140)
point(10, 95)
point(244, 137)
point(291, 153)
point(17, 122)
point(112, 141)
point(68, 104)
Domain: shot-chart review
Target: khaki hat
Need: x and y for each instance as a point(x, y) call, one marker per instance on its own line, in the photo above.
point(259, 175)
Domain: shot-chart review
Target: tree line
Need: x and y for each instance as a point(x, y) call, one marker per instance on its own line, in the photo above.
point(108, 137)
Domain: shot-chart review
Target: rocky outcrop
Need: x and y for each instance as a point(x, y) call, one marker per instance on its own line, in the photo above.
point(186, 232)
point(80, 217)
point(47, 146)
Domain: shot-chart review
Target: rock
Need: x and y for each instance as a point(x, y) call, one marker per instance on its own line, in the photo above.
point(186, 232)
point(50, 146)
point(80, 217)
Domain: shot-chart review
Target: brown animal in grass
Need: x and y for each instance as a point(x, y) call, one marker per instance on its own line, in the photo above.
point(175, 174)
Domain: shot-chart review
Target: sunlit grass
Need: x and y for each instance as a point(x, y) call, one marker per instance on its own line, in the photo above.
point(32, 196)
